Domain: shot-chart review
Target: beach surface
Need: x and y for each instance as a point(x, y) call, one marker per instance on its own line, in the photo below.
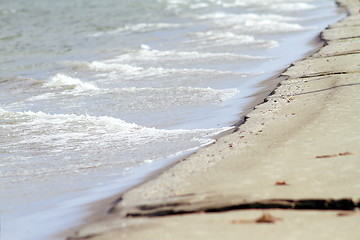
point(291, 171)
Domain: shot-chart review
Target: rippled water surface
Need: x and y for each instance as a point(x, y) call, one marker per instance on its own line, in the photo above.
point(96, 95)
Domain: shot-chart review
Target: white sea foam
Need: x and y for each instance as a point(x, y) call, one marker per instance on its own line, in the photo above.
point(83, 135)
point(138, 28)
point(287, 6)
point(110, 74)
point(147, 99)
point(144, 27)
point(156, 56)
point(254, 23)
point(280, 5)
point(228, 38)
point(71, 123)
point(40, 97)
point(3, 111)
point(111, 66)
point(181, 95)
point(245, 17)
point(199, 5)
point(269, 27)
point(69, 83)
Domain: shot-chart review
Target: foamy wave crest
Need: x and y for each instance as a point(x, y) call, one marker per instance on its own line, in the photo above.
point(199, 5)
point(124, 68)
point(156, 57)
point(254, 23)
point(268, 27)
point(276, 6)
point(66, 82)
point(228, 38)
point(280, 5)
point(176, 5)
point(286, 6)
point(122, 99)
point(144, 27)
point(181, 95)
point(83, 127)
point(245, 17)
point(156, 54)
point(70, 119)
point(138, 28)
point(128, 70)
point(82, 142)
point(3, 111)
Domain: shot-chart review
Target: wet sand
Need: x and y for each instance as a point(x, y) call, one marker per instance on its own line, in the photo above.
point(291, 171)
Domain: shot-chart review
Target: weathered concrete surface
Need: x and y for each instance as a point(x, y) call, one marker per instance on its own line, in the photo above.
point(302, 143)
point(291, 225)
point(344, 32)
point(340, 47)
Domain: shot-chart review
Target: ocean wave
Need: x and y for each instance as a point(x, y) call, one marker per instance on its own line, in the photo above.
point(82, 127)
point(102, 138)
point(181, 95)
point(111, 66)
point(124, 69)
point(61, 120)
point(84, 123)
point(156, 58)
point(116, 75)
point(204, 39)
point(138, 28)
point(146, 98)
point(254, 23)
point(267, 27)
point(147, 55)
point(245, 17)
point(279, 6)
point(62, 81)
point(199, 5)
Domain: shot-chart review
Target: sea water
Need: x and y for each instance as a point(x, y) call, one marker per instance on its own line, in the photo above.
point(97, 95)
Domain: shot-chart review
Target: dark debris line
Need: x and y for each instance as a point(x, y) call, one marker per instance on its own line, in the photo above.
point(302, 204)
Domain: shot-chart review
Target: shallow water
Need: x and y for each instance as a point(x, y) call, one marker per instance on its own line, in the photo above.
point(96, 95)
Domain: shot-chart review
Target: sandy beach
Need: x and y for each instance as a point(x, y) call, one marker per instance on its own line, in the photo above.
point(291, 171)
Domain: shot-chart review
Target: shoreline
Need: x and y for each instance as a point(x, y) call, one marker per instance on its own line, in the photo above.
point(102, 206)
point(206, 180)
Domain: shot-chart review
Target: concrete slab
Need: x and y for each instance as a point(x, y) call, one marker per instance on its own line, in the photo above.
point(312, 67)
point(341, 33)
point(340, 47)
point(242, 225)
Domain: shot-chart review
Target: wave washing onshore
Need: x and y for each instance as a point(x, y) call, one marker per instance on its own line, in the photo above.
point(291, 171)
point(85, 116)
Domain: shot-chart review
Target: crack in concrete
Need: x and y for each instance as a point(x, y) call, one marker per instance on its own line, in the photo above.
point(353, 52)
point(301, 204)
point(321, 74)
point(327, 89)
